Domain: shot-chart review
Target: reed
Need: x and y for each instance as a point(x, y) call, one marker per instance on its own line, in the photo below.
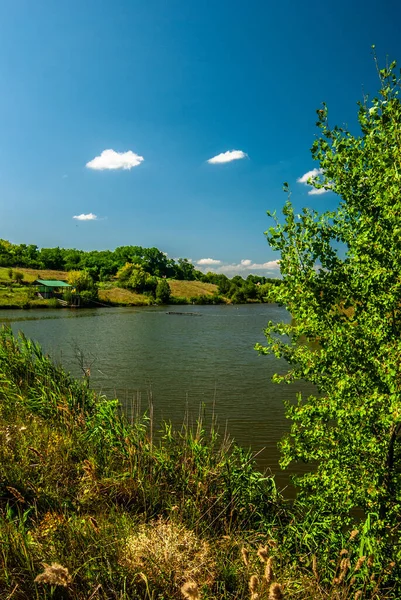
point(92, 505)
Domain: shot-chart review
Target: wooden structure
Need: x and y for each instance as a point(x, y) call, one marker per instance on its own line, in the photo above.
point(51, 288)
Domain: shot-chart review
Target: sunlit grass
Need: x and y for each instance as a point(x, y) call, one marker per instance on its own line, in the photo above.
point(20, 297)
point(188, 289)
point(92, 507)
point(110, 293)
point(124, 297)
point(33, 274)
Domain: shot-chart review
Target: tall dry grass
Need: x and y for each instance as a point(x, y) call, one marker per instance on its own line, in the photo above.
point(91, 506)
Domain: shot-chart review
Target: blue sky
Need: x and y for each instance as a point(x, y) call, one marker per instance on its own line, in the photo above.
point(174, 83)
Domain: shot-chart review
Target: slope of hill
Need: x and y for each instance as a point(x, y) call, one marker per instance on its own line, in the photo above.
point(189, 289)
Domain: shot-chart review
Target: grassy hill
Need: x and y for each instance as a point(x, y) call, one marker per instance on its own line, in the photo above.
point(122, 297)
point(13, 295)
point(21, 296)
point(188, 289)
point(32, 274)
point(180, 290)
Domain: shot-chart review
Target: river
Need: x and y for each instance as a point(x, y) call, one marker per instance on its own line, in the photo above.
point(179, 363)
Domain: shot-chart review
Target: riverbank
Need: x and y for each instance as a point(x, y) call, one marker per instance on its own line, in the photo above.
point(182, 292)
point(16, 290)
point(22, 297)
point(91, 505)
point(15, 295)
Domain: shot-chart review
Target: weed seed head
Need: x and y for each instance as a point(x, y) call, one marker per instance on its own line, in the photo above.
point(344, 566)
point(19, 497)
point(54, 574)
point(263, 553)
point(314, 566)
point(168, 550)
point(190, 590)
point(359, 563)
point(269, 575)
point(245, 556)
point(353, 534)
point(275, 592)
point(253, 584)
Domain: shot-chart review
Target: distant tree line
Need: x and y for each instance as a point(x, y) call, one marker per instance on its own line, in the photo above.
point(254, 288)
point(101, 264)
point(134, 267)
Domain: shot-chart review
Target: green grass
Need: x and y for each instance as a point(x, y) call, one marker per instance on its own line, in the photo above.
point(122, 297)
point(189, 289)
point(13, 295)
point(32, 274)
point(21, 297)
point(182, 292)
point(128, 516)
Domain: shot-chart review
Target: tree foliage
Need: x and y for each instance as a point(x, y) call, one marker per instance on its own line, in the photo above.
point(18, 276)
point(101, 264)
point(80, 280)
point(135, 278)
point(342, 286)
point(163, 291)
point(83, 284)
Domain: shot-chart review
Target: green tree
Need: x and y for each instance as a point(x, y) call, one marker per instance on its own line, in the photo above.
point(82, 282)
point(138, 278)
point(51, 258)
point(72, 259)
point(134, 277)
point(163, 291)
point(18, 276)
point(342, 286)
point(124, 274)
point(185, 270)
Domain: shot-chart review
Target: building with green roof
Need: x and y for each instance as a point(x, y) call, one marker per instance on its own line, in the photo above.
point(50, 288)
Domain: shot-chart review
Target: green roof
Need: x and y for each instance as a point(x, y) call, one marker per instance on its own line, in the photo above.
point(52, 283)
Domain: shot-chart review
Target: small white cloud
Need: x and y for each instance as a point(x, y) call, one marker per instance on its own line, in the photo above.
point(310, 175)
point(88, 217)
point(308, 179)
point(245, 267)
point(226, 157)
point(110, 159)
point(208, 261)
point(317, 191)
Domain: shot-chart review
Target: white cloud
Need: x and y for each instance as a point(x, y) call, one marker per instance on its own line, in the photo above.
point(208, 261)
point(88, 217)
point(226, 157)
point(310, 175)
point(308, 178)
point(317, 191)
point(245, 267)
point(110, 159)
point(248, 265)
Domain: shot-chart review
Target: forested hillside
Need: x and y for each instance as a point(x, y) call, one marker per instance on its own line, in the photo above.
point(134, 269)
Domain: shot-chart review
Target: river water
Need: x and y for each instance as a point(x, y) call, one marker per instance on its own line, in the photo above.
point(202, 359)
